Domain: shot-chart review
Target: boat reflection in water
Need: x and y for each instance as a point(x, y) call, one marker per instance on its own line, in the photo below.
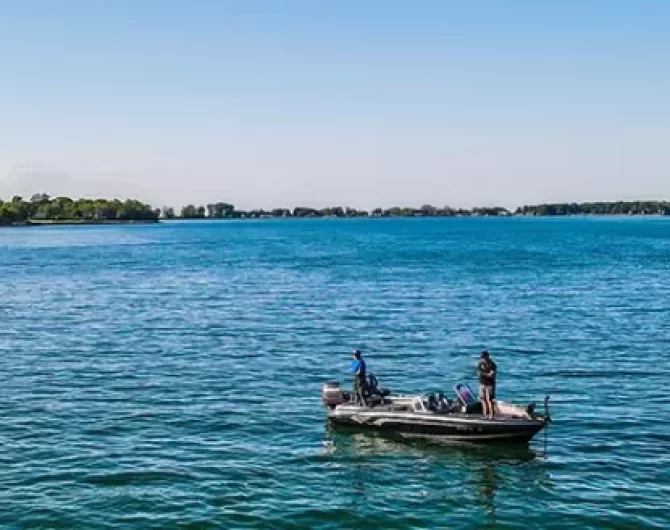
point(350, 441)
point(462, 481)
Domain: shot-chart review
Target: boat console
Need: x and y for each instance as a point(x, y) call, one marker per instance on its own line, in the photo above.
point(469, 402)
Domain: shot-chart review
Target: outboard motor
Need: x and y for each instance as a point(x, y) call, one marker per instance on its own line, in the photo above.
point(332, 394)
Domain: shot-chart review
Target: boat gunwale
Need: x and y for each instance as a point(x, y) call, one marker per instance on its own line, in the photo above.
point(517, 418)
point(439, 417)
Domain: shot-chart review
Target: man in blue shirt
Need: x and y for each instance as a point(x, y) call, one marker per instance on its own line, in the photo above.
point(358, 369)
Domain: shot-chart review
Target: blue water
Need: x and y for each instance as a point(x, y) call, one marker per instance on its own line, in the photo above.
point(168, 376)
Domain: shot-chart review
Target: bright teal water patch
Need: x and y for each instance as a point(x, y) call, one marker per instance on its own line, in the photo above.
point(169, 376)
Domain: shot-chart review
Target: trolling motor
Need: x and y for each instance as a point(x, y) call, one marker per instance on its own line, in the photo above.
point(547, 417)
point(530, 410)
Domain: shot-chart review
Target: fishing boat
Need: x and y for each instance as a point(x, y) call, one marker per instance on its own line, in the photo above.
point(434, 415)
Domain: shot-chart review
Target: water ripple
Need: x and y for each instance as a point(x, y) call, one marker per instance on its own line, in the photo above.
point(168, 376)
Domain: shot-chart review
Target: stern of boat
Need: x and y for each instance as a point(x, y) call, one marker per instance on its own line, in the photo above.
point(332, 395)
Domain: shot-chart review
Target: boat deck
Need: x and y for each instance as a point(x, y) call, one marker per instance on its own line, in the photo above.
point(406, 405)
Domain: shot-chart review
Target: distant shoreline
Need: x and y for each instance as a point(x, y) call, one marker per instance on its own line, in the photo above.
point(223, 210)
point(76, 222)
point(48, 223)
point(42, 210)
point(511, 216)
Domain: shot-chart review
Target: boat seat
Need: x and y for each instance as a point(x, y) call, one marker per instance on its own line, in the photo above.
point(372, 388)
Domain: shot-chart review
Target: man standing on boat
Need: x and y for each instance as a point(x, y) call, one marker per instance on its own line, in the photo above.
point(486, 370)
point(358, 369)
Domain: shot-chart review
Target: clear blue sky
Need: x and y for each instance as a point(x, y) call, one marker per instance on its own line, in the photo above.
point(360, 103)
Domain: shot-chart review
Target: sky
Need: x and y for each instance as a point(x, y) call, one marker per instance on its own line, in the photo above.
point(353, 103)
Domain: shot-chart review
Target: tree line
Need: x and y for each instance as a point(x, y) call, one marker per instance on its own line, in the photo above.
point(228, 211)
point(41, 208)
point(598, 208)
point(222, 210)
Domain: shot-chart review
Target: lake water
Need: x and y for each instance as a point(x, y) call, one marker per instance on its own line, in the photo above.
point(169, 376)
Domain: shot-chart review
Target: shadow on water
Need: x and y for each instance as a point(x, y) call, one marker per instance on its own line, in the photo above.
point(479, 471)
point(350, 439)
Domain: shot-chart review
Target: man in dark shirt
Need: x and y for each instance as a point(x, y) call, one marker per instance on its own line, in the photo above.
point(358, 369)
point(486, 370)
